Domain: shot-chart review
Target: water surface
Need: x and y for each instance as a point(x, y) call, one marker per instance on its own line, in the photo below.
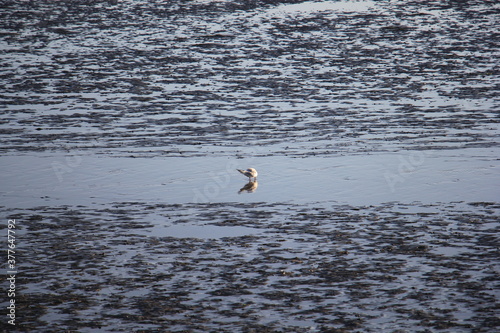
point(373, 125)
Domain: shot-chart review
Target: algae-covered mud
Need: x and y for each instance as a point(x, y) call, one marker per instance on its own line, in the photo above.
point(373, 126)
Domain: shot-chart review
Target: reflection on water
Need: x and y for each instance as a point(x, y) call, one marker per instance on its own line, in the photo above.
point(249, 187)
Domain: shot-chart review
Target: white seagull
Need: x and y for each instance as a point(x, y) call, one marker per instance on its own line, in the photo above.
point(250, 173)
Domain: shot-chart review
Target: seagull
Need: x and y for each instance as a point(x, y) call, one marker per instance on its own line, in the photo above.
point(250, 173)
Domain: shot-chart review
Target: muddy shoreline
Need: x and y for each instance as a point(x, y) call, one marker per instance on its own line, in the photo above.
point(158, 79)
point(266, 83)
point(317, 268)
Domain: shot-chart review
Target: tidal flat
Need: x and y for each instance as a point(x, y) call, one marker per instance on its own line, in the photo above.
point(373, 125)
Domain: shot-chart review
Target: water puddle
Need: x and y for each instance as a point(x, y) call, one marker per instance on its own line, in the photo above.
point(203, 231)
point(315, 6)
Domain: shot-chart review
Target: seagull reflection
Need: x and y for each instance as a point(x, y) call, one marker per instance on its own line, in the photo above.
point(249, 187)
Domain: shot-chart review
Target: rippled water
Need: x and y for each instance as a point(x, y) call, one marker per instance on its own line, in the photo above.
point(373, 125)
point(153, 78)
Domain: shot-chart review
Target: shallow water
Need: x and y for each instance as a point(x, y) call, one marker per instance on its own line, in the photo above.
point(407, 176)
point(373, 125)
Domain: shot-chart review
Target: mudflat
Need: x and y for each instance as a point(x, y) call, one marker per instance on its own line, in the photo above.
point(373, 126)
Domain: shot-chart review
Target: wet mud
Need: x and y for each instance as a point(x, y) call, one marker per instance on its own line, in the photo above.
point(304, 268)
point(240, 79)
point(165, 79)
